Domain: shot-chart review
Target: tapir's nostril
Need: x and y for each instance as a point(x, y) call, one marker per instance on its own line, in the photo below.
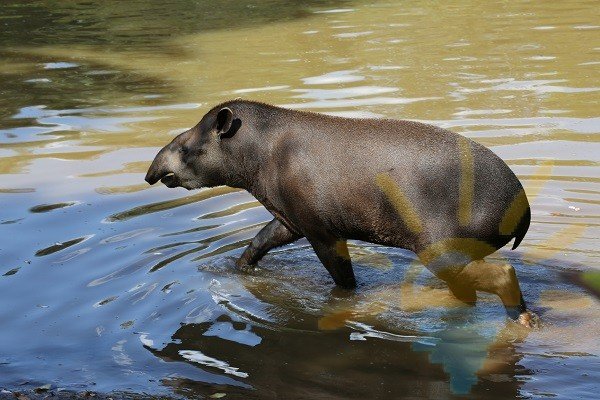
point(154, 176)
point(151, 178)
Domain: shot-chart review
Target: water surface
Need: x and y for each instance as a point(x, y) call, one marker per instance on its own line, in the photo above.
point(108, 284)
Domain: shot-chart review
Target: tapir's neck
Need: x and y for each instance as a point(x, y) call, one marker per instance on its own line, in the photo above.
point(250, 164)
point(247, 172)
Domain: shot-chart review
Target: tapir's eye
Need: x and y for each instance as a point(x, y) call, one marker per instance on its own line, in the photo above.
point(184, 150)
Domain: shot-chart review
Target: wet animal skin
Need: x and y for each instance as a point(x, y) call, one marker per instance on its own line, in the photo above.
point(396, 183)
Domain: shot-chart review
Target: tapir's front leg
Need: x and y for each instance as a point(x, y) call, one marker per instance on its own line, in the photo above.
point(272, 235)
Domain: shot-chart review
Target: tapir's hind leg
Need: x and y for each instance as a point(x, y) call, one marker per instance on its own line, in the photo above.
point(498, 279)
point(334, 255)
point(465, 277)
point(463, 292)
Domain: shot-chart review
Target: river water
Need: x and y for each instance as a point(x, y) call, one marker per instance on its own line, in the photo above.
point(110, 285)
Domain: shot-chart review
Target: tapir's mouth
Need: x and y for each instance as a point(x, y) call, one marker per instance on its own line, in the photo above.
point(170, 180)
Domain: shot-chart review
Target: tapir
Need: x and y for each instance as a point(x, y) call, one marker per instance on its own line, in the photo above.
point(329, 179)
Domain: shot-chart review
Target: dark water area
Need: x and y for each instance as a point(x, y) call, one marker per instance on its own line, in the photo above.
point(112, 286)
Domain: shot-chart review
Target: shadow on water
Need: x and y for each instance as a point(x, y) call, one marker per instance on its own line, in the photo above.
point(60, 246)
point(167, 205)
point(127, 24)
point(118, 27)
point(42, 208)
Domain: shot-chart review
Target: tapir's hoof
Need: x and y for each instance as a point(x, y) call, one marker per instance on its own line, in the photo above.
point(243, 267)
point(529, 320)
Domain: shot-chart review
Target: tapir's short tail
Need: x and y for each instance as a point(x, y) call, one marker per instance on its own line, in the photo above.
point(522, 228)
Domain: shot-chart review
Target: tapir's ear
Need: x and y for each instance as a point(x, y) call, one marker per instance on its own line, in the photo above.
point(227, 126)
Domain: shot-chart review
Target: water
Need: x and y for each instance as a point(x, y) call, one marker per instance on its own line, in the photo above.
point(108, 284)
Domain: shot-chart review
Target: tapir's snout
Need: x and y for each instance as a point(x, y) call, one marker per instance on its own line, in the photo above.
point(151, 177)
point(158, 169)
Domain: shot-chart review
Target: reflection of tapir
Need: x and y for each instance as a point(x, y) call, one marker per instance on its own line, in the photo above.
point(396, 183)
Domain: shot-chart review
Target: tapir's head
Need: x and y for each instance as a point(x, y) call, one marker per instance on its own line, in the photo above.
point(200, 156)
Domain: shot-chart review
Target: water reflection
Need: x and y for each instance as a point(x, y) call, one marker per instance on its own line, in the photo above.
point(314, 360)
point(472, 352)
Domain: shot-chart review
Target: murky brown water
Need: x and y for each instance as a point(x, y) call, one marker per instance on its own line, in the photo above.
point(111, 285)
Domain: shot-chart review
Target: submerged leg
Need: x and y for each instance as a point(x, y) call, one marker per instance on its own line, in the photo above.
point(447, 266)
point(463, 292)
point(335, 257)
point(464, 277)
point(272, 235)
point(501, 280)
